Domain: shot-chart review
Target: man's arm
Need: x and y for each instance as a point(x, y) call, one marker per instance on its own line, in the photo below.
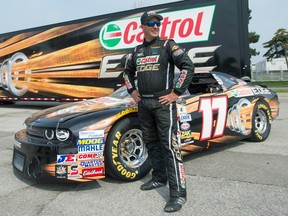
point(129, 74)
point(185, 64)
point(129, 78)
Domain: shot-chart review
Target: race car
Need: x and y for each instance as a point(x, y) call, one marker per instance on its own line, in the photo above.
point(87, 140)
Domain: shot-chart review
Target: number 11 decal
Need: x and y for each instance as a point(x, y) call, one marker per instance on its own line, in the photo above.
point(207, 106)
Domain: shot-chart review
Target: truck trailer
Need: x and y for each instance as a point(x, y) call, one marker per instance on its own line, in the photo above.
point(83, 58)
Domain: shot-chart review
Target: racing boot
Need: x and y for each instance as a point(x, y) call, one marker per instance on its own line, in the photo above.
point(175, 204)
point(152, 185)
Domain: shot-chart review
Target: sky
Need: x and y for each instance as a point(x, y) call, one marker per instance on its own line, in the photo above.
point(267, 15)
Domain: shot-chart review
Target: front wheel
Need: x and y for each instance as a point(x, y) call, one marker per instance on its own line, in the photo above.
point(261, 121)
point(126, 157)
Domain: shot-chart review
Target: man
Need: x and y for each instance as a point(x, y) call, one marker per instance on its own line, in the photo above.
point(154, 62)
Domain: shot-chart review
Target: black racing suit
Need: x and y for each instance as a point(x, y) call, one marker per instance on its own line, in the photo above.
point(154, 63)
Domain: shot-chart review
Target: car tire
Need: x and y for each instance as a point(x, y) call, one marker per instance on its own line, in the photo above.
point(126, 157)
point(261, 121)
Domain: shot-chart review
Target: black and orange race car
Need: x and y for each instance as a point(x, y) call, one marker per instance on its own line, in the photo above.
point(86, 140)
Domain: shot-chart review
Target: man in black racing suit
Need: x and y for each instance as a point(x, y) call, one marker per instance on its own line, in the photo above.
point(156, 95)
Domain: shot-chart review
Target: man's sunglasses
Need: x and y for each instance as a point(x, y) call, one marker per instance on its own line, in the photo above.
point(152, 23)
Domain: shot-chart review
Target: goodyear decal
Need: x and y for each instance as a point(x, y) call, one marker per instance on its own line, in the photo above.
point(126, 111)
point(115, 157)
point(262, 106)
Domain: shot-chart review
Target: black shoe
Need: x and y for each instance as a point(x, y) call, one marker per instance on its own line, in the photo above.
point(152, 185)
point(175, 204)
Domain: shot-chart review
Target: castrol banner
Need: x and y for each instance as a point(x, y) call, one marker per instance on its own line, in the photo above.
point(85, 58)
point(184, 26)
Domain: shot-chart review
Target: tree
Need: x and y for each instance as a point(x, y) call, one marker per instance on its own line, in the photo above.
point(278, 45)
point(253, 38)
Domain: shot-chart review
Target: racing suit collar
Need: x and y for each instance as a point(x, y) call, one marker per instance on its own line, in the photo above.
point(145, 43)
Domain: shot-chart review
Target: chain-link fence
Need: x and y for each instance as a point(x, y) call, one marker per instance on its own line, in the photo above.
point(270, 76)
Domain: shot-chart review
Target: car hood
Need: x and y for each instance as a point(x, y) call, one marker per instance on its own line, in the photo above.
point(71, 110)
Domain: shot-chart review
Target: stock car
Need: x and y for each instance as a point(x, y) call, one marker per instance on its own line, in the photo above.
point(87, 140)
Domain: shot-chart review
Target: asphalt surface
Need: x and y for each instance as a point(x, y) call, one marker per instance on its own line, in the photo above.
point(244, 178)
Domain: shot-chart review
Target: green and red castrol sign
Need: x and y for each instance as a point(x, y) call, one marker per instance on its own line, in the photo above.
point(184, 26)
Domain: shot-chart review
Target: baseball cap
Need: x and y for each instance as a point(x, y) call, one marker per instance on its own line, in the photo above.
point(148, 15)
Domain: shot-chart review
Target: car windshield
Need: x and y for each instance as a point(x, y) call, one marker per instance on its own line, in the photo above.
point(225, 80)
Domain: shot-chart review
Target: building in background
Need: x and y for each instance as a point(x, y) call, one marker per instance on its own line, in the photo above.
point(274, 70)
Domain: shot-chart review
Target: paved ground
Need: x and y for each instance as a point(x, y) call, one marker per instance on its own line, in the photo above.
point(239, 179)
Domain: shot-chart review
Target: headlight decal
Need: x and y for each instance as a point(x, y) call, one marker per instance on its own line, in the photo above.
point(62, 134)
point(49, 134)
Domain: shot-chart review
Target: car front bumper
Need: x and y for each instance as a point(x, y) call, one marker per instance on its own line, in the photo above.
point(37, 160)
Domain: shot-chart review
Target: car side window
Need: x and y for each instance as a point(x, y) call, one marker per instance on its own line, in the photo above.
point(204, 83)
point(225, 80)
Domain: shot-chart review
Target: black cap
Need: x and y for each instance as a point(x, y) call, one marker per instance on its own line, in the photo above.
point(148, 15)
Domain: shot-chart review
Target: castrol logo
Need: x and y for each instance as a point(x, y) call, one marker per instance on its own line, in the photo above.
point(147, 59)
point(184, 26)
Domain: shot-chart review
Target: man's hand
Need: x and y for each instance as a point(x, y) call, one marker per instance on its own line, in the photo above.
point(136, 96)
point(168, 99)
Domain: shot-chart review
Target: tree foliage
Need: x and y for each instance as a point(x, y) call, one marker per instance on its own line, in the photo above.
point(253, 37)
point(278, 45)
